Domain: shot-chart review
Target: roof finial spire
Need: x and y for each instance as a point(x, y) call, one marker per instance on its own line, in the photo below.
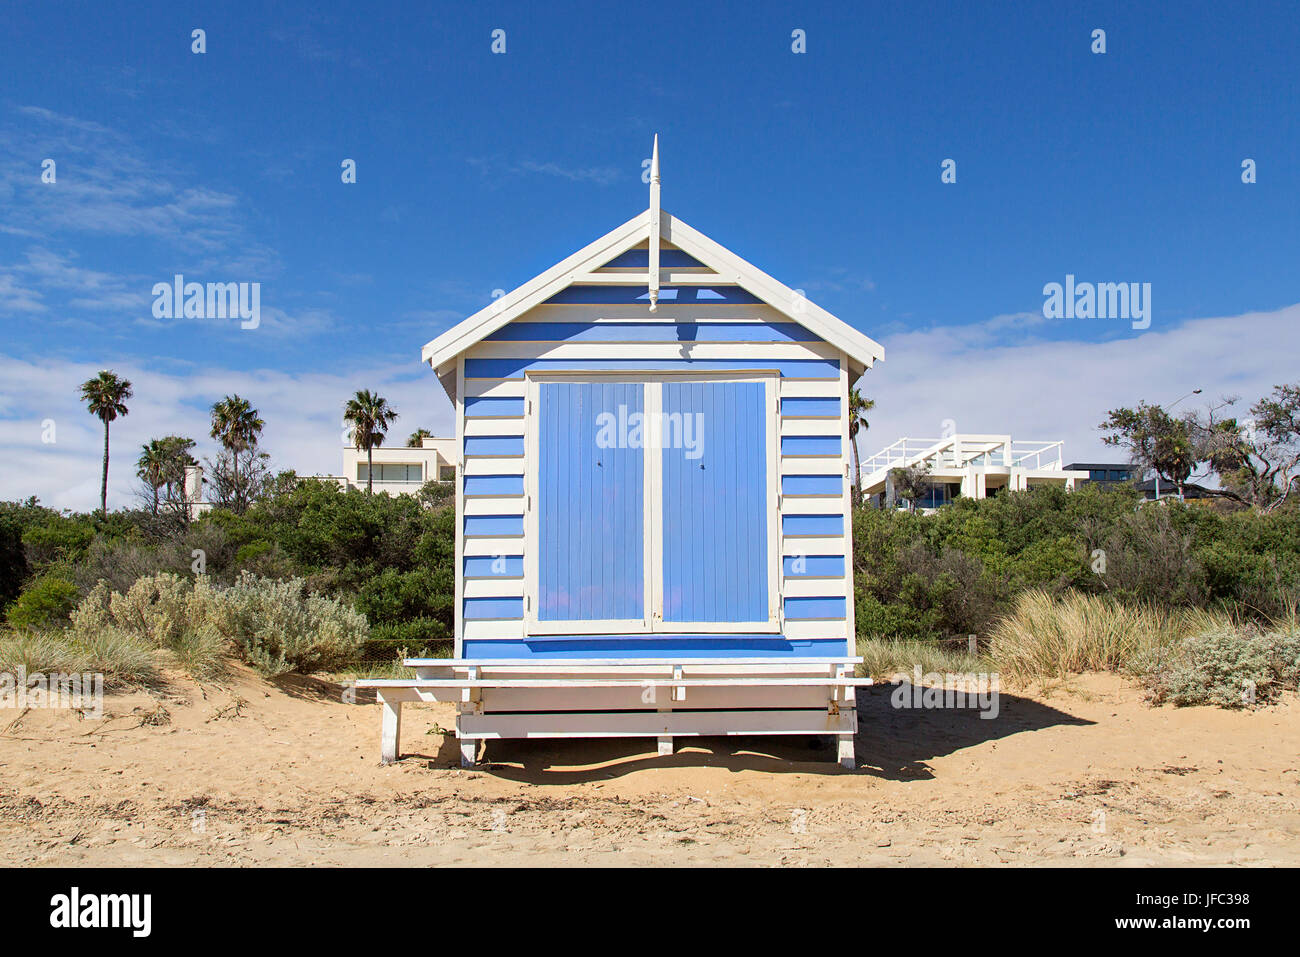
point(654, 226)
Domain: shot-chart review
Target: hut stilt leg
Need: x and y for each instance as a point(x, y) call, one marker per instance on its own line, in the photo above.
point(665, 744)
point(468, 752)
point(390, 730)
point(844, 751)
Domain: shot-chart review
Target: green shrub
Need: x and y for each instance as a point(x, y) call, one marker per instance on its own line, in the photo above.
point(1222, 666)
point(272, 624)
point(279, 629)
point(46, 602)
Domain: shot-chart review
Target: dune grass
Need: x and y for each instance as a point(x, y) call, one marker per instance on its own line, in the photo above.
point(1049, 637)
point(122, 660)
point(883, 659)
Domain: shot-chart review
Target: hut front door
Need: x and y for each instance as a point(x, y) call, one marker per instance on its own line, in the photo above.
point(652, 506)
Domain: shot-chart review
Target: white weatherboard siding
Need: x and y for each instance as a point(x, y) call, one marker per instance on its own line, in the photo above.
point(813, 525)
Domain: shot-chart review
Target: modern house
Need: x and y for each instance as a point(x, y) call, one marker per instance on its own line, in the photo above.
point(1117, 473)
point(399, 470)
point(1105, 473)
point(652, 502)
point(966, 465)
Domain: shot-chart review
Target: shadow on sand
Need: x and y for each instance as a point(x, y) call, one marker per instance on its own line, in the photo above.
point(892, 743)
point(317, 689)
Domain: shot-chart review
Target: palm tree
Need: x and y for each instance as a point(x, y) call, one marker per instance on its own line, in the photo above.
point(858, 409)
point(370, 416)
point(105, 396)
point(151, 467)
point(416, 439)
point(235, 424)
point(162, 463)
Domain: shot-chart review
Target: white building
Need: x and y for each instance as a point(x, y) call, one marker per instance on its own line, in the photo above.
point(196, 497)
point(398, 469)
point(966, 465)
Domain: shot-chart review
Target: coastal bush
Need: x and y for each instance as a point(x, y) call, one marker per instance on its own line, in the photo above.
point(45, 602)
point(279, 629)
point(1232, 667)
point(274, 625)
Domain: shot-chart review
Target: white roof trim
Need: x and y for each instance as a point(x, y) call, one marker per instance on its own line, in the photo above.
point(730, 268)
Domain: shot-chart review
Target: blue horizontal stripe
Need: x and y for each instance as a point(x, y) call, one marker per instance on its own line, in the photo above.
point(813, 525)
point(826, 408)
point(655, 332)
point(803, 609)
point(515, 368)
point(494, 566)
point(655, 646)
point(627, 295)
point(494, 525)
point(810, 445)
point(494, 485)
point(482, 405)
point(494, 445)
point(478, 609)
point(810, 484)
point(813, 566)
point(640, 258)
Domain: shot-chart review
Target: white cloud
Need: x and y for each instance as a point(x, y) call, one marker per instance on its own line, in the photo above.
point(303, 414)
point(498, 167)
point(992, 377)
point(999, 377)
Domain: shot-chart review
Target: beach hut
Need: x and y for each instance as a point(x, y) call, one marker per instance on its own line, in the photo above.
point(652, 502)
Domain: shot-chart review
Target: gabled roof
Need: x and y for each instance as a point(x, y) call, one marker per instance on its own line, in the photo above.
point(582, 268)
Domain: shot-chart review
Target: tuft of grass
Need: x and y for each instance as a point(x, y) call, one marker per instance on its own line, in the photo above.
point(1049, 637)
point(384, 669)
point(201, 652)
point(122, 659)
point(884, 658)
point(40, 651)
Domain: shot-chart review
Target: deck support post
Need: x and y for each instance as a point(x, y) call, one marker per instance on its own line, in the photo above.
point(665, 745)
point(468, 752)
point(390, 731)
point(844, 751)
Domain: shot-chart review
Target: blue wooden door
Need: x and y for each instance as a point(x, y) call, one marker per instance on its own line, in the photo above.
point(591, 495)
point(715, 561)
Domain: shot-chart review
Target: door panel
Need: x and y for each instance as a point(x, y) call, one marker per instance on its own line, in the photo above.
point(715, 561)
point(591, 495)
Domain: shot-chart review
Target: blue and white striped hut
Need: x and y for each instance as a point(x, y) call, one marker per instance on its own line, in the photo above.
point(652, 502)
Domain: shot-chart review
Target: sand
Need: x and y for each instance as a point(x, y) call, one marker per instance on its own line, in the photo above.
point(250, 772)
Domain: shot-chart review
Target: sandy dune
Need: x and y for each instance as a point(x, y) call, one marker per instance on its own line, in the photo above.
point(285, 773)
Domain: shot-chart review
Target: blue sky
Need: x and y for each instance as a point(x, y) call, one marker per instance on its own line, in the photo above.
point(476, 171)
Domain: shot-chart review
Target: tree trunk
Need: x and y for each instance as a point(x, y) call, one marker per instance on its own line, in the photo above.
point(857, 472)
point(370, 469)
point(103, 483)
point(234, 480)
point(155, 501)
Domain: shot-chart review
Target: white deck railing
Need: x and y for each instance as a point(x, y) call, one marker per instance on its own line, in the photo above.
point(958, 451)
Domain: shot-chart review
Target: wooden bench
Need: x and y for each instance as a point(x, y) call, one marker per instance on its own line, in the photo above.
point(619, 697)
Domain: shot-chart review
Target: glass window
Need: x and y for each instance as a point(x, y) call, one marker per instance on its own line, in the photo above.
point(1096, 475)
point(391, 473)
